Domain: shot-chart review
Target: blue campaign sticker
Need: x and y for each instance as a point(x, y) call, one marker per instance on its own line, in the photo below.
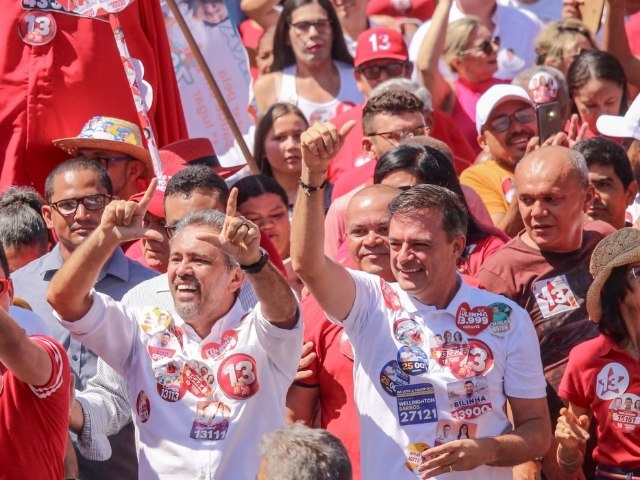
point(416, 404)
point(412, 360)
point(391, 375)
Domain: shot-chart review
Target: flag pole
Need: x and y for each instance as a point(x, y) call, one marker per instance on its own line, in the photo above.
point(215, 89)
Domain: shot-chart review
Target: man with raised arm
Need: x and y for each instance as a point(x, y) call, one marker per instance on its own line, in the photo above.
point(403, 401)
point(201, 394)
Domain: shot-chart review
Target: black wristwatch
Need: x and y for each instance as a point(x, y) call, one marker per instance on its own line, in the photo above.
point(259, 265)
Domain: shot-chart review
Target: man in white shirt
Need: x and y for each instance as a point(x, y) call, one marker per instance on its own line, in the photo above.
point(227, 358)
point(399, 422)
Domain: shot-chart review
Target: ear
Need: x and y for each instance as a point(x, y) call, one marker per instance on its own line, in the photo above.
point(590, 195)
point(236, 279)
point(47, 213)
point(632, 191)
point(483, 143)
point(367, 147)
point(135, 169)
point(459, 243)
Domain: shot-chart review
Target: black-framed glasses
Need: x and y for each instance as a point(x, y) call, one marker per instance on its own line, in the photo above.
point(171, 230)
point(322, 25)
point(394, 69)
point(69, 206)
point(485, 47)
point(106, 161)
point(397, 136)
point(503, 122)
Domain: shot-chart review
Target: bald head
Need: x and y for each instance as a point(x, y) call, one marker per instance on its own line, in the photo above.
point(368, 228)
point(553, 196)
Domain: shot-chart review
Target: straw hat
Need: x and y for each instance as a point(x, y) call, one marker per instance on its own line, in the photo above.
point(619, 248)
point(109, 133)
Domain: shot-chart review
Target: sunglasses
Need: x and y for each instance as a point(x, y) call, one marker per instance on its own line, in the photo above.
point(5, 283)
point(503, 122)
point(106, 161)
point(634, 272)
point(92, 203)
point(391, 69)
point(322, 25)
point(485, 47)
point(397, 136)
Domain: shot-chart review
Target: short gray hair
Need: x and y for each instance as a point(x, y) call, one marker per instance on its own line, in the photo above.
point(297, 452)
point(205, 218)
point(21, 222)
point(395, 84)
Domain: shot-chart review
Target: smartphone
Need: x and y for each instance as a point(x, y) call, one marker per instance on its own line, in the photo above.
point(549, 117)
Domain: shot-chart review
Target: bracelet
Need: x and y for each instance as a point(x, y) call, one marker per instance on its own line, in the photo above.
point(259, 265)
point(309, 189)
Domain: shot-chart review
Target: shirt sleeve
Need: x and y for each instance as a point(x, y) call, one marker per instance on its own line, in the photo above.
point(491, 197)
point(109, 329)
point(59, 367)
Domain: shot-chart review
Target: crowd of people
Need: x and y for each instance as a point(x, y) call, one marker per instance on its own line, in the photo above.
point(431, 270)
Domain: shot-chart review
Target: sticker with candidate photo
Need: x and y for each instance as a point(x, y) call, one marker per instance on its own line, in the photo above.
point(143, 406)
point(543, 88)
point(162, 345)
point(477, 362)
point(501, 321)
point(215, 351)
point(198, 378)
point(473, 321)
point(450, 430)
point(408, 332)
point(391, 375)
point(624, 412)
point(412, 360)
point(416, 404)
point(469, 399)
point(155, 320)
point(447, 346)
point(37, 28)
point(169, 377)
point(212, 420)
point(414, 456)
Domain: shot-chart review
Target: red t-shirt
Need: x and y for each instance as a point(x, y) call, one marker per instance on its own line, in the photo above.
point(333, 375)
point(633, 33)
point(51, 91)
point(600, 377)
point(34, 421)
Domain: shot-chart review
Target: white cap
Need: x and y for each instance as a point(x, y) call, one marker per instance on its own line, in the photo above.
point(622, 127)
point(497, 95)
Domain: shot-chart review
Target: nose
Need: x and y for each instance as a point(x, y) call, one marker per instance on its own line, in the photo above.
point(538, 209)
point(371, 239)
point(81, 212)
point(404, 254)
point(183, 268)
point(292, 142)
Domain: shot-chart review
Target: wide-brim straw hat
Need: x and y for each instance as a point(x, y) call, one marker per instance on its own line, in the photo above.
point(109, 133)
point(617, 249)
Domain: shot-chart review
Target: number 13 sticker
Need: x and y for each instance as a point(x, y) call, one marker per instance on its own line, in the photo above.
point(238, 376)
point(37, 28)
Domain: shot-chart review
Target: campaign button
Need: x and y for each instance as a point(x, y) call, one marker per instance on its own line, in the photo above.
point(238, 376)
point(143, 406)
point(474, 320)
point(412, 360)
point(408, 332)
point(416, 404)
point(37, 28)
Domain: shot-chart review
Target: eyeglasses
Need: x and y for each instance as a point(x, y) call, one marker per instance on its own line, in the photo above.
point(485, 47)
point(4, 285)
point(503, 122)
point(171, 230)
point(391, 69)
point(92, 203)
point(322, 25)
point(397, 136)
point(106, 161)
point(634, 272)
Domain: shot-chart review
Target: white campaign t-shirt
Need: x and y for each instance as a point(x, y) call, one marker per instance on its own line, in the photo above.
point(419, 369)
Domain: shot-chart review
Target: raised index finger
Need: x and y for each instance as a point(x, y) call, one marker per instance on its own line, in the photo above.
point(232, 202)
point(148, 195)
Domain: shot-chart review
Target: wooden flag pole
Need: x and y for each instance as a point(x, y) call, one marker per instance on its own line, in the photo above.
point(213, 85)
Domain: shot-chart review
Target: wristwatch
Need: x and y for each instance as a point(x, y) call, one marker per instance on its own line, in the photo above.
point(259, 265)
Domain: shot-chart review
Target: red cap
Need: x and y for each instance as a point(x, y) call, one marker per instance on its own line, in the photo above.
point(380, 43)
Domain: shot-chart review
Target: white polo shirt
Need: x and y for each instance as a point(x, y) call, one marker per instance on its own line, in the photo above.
point(200, 405)
point(418, 369)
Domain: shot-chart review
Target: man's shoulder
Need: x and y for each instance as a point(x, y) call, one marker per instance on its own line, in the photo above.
point(140, 273)
point(38, 266)
point(511, 255)
point(150, 286)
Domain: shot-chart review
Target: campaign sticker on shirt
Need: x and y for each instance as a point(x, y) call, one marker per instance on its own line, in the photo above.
point(143, 406)
point(416, 404)
point(450, 430)
point(408, 332)
point(162, 345)
point(37, 27)
point(170, 385)
point(238, 376)
point(211, 422)
point(625, 412)
point(478, 362)
point(344, 345)
point(473, 321)
point(198, 378)
point(414, 455)
point(468, 399)
point(554, 296)
point(214, 350)
point(391, 375)
point(612, 381)
point(391, 299)
point(501, 318)
point(155, 320)
point(412, 360)
point(543, 87)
